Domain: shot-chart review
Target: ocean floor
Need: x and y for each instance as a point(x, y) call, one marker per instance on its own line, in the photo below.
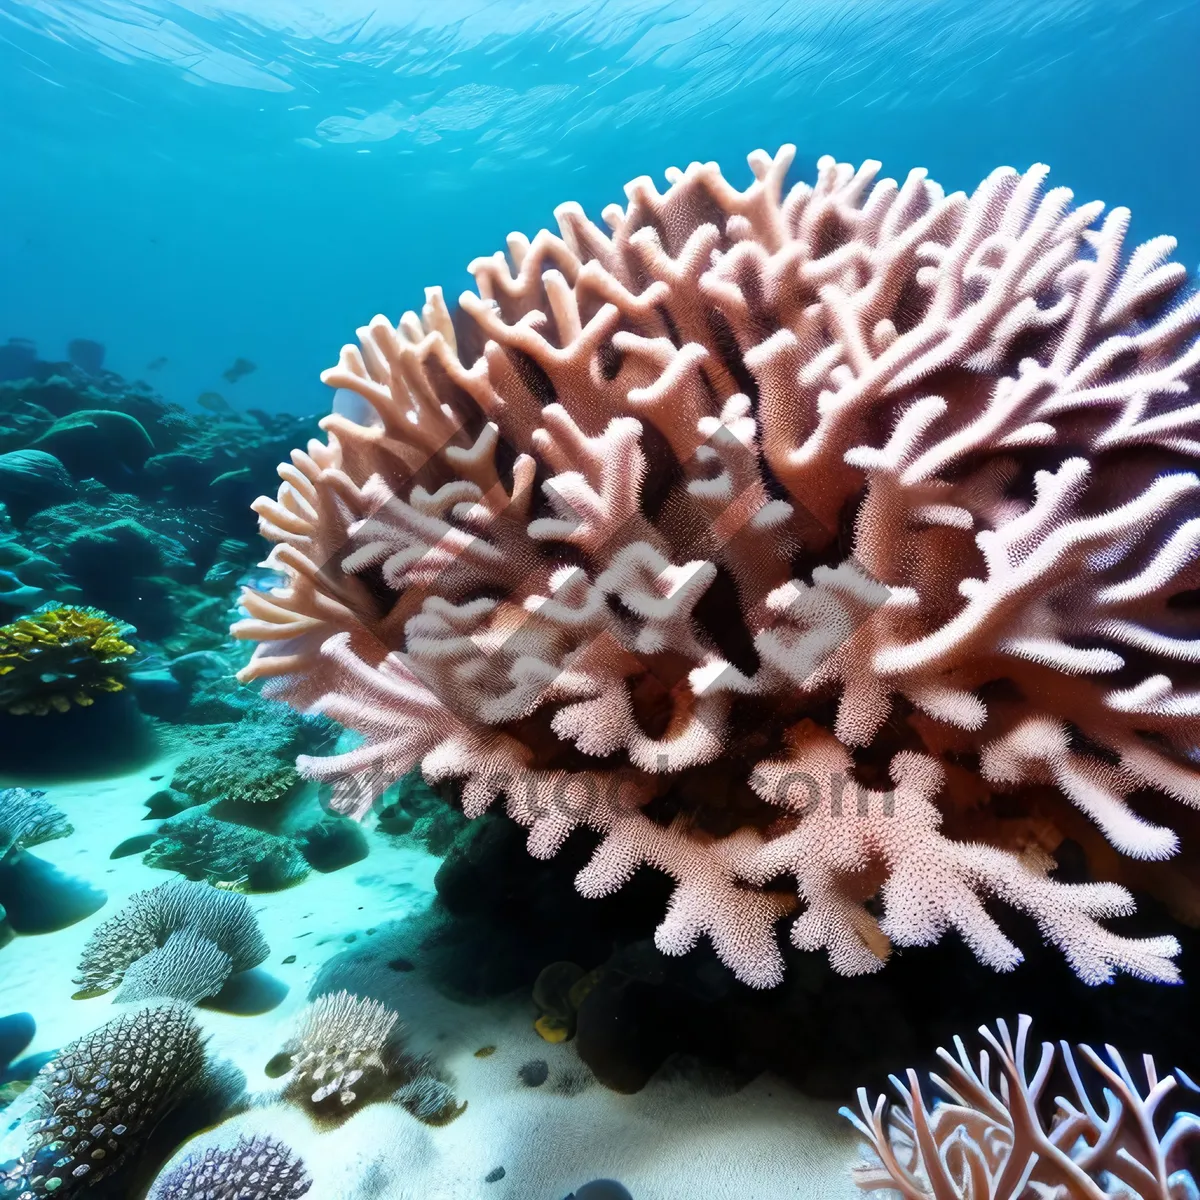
point(682, 1136)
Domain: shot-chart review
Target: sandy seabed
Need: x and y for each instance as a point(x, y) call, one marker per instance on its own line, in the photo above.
point(677, 1139)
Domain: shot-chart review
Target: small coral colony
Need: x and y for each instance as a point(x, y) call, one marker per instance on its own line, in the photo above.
point(830, 550)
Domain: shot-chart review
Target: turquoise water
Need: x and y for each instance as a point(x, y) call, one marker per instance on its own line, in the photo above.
point(737, 661)
point(201, 183)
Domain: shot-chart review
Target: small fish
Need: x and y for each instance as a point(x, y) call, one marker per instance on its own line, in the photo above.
point(243, 366)
point(214, 401)
point(156, 364)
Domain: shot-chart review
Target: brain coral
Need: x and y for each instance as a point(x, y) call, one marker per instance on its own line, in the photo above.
point(829, 548)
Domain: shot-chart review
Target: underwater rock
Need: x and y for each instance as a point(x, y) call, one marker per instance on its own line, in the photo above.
point(430, 1100)
point(17, 359)
point(601, 1189)
point(333, 843)
point(167, 802)
point(31, 480)
point(98, 443)
point(534, 1073)
point(41, 898)
point(86, 354)
point(133, 845)
point(16, 1032)
point(158, 693)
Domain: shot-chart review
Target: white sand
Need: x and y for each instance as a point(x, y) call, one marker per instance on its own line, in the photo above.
point(674, 1140)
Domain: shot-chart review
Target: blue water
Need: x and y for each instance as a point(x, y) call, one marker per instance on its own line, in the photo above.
point(219, 192)
point(206, 181)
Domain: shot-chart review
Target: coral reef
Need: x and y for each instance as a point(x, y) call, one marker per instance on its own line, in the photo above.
point(190, 933)
point(258, 1168)
point(200, 846)
point(841, 535)
point(101, 1097)
point(60, 656)
point(342, 1044)
point(248, 760)
point(994, 1135)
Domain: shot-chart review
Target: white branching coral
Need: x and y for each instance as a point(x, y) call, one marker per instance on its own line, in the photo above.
point(993, 1134)
point(342, 1039)
point(773, 535)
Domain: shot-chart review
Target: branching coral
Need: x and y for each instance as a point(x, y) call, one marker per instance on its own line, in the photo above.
point(222, 936)
point(59, 656)
point(992, 1137)
point(774, 534)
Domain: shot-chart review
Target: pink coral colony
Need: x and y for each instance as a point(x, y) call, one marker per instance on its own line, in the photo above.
point(826, 549)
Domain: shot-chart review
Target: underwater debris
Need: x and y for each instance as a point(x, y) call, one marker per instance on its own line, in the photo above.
point(101, 1097)
point(992, 1136)
point(256, 1168)
point(837, 504)
point(59, 656)
point(222, 931)
point(342, 1044)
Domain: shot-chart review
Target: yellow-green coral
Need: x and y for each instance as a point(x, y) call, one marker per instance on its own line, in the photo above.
point(59, 656)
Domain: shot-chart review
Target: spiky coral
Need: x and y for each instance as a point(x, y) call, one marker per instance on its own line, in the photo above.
point(59, 656)
point(258, 1168)
point(772, 536)
point(993, 1137)
point(106, 1091)
point(340, 1045)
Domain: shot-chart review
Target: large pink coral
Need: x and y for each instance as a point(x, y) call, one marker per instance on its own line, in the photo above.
point(773, 537)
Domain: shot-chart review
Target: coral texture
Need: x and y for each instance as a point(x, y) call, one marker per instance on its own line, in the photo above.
point(106, 1091)
point(227, 855)
point(28, 819)
point(993, 1136)
point(59, 656)
point(774, 534)
point(257, 1168)
point(342, 1038)
point(187, 966)
point(219, 921)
